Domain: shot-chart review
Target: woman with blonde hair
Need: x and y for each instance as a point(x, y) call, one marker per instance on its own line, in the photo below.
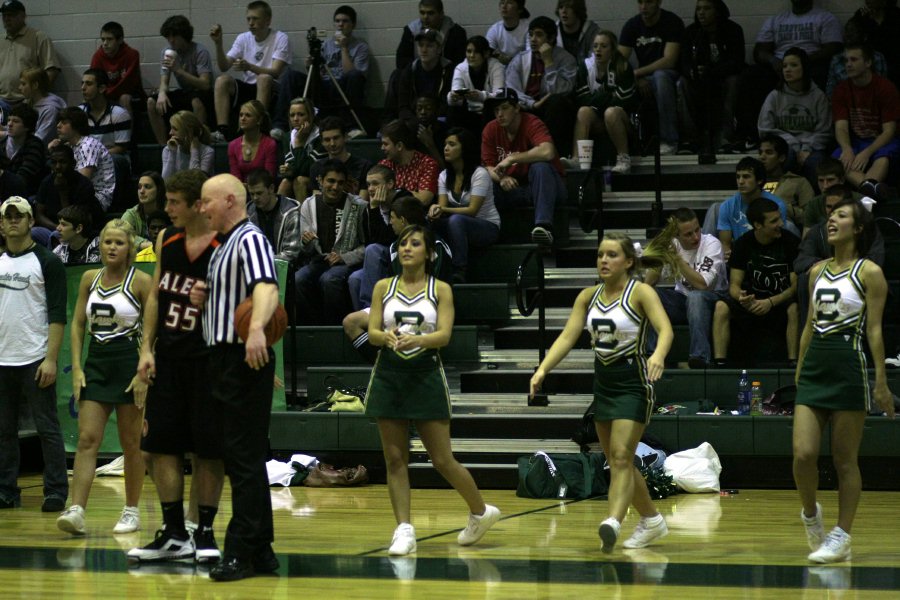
point(110, 301)
point(34, 84)
point(616, 313)
point(254, 148)
point(188, 146)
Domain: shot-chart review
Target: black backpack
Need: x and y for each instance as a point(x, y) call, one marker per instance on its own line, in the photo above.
point(576, 475)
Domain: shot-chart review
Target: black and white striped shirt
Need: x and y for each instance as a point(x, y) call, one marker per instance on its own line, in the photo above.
point(243, 259)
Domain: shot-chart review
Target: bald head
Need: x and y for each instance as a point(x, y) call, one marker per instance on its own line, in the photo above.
point(227, 184)
point(223, 200)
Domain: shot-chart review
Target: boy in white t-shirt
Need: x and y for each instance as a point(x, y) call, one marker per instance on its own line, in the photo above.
point(258, 56)
point(700, 281)
point(509, 36)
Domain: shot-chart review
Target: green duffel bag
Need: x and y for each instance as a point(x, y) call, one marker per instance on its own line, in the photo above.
point(578, 475)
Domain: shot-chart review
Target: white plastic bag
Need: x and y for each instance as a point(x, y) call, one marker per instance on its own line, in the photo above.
point(695, 470)
point(282, 473)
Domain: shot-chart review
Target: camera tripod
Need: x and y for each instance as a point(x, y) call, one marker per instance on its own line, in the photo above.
point(315, 68)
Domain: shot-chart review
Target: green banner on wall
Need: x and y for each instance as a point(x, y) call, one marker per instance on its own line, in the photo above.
point(68, 409)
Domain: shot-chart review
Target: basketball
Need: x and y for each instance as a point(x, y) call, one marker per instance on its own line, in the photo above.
point(274, 329)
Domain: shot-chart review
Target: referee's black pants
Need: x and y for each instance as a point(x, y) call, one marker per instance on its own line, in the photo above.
point(244, 397)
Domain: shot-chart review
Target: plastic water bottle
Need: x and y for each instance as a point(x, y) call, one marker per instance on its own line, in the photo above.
point(607, 178)
point(744, 391)
point(756, 398)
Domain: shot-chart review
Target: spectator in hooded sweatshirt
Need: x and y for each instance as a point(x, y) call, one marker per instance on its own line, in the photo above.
point(798, 112)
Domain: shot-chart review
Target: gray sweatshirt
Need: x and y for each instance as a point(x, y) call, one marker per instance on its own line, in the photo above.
point(802, 119)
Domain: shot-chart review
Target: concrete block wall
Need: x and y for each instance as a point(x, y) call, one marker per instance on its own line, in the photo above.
point(74, 25)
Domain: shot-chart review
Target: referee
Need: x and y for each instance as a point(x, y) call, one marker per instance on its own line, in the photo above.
point(242, 381)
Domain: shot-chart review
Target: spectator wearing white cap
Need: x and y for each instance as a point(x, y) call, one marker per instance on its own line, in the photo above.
point(36, 293)
point(431, 16)
point(428, 75)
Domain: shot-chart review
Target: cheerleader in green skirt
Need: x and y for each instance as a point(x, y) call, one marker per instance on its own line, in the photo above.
point(847, 296)
point(110, 303)
point(411, 318)
point(616, 313)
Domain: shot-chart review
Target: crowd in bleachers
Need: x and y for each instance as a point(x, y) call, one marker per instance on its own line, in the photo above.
point(474, 125)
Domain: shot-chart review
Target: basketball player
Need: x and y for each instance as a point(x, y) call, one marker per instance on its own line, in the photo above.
point(180, 417)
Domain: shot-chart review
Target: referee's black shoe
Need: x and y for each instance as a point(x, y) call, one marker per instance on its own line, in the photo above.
point(53, 504)
point(265, 560)
point(231, 568)
point(13, 503)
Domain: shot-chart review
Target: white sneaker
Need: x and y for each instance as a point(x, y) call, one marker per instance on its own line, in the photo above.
point(478, 525)
point(72, 520)
point(404, 540)
point(355, 133)
point(217, 137)
point(277, 134)
point(893, 361)
point(164, 547)
point(129, 521)
point(647, 531)
point(542, 235)
point(665, 148)
point(815, 531)
point(623, 164)
point(835, 548)
point(609, 533)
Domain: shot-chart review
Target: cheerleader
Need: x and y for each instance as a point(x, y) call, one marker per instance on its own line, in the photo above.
point(110, 301)
point(411, 318)
point(847, 296)
point(616, 314)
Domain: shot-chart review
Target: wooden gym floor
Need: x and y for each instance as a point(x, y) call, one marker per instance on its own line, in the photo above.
point(332, 544)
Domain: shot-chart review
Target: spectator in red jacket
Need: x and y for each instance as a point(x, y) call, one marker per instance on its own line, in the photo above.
point(122, 64)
